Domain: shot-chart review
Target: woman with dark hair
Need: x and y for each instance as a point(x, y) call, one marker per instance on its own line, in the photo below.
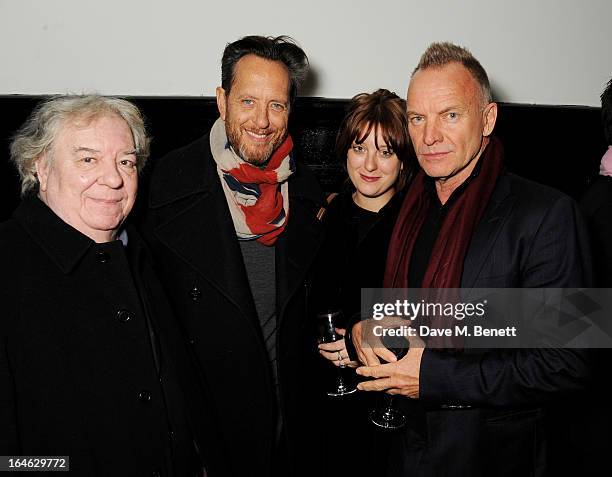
point(373, 140)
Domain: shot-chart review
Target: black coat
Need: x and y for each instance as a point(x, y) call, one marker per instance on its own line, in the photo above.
point(194, 241)
point(352, 257)
point(78, 376)
point(530, 236)
point(597, 207)
point(353, 254)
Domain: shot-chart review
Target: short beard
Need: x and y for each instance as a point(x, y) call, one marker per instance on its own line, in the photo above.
point(240, 148)
point(256, 161)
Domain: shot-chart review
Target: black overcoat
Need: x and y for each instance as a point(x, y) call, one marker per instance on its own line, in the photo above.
point(78, 376)
point(194, 241)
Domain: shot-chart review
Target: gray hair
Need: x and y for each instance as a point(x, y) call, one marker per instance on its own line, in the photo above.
point(37, 135)
point(441, 54)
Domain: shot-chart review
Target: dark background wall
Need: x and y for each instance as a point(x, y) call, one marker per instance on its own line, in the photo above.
point(556, 145)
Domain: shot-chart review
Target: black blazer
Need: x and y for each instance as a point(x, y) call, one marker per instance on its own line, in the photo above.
point(78, 377)
point(193, 238)
point(529, 236)
point(597, 207)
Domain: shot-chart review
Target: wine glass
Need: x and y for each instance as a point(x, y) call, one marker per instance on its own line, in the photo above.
point(327, 322)
point(387, 416)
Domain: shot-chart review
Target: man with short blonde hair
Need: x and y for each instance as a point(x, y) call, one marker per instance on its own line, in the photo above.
point(467, 223)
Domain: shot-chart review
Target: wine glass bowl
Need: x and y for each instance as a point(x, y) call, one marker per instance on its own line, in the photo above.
point(327, 322)
point(388, 416)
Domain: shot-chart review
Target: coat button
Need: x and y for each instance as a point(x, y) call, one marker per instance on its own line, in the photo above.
point(144, 396)
point(124, 315)
point(195, 293)
point(102, 257)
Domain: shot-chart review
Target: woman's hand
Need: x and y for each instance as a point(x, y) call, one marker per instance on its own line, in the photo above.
point(336, 352)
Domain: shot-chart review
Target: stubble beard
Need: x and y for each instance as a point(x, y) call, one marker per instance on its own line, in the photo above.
point(240, 147)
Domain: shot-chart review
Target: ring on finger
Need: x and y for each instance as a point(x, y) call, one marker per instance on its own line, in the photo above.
point(339, 356)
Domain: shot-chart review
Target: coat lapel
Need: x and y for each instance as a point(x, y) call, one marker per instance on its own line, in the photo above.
point(199, 228)
point(295, 252)
point(200, 231)
point(203, 243)
point(300, 242)
point(487, 232)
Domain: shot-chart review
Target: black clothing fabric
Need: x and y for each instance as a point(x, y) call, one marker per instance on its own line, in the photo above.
point(594, 429)
point(597, 206)
point(192, 234)
point(352, 256)
point(89, 353)
point(529, 236)
point(431, 227)
point(425, 242)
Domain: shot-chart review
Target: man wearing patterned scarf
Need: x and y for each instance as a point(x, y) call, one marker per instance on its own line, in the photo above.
point(467, 223)
point(233, 223)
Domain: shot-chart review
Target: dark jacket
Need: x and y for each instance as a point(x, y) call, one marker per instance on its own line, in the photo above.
point(597, 207)
point(77, 370)
point(595, 443)
point(194, 241)
point(353, 254)
point(352, 257)
point(530, 236)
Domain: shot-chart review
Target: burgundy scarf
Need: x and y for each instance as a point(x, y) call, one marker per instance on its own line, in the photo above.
point(448, 254)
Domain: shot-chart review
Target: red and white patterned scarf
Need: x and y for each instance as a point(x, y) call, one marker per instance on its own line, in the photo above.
point(258, 197)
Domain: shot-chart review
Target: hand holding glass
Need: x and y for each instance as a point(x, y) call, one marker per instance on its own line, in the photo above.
point(327, 322)
point(387, 416)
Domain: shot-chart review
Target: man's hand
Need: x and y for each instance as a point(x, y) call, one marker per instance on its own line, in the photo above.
point(370, 352)
point(336, 352)
point(400, 377)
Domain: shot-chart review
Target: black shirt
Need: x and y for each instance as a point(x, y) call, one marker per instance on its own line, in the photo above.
point(430, 229)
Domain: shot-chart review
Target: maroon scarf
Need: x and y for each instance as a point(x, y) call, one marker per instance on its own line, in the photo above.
point(448, 254)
